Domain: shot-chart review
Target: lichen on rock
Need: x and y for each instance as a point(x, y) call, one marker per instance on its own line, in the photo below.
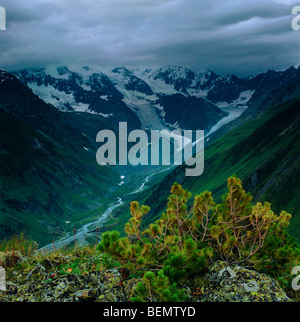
point(41, 281)
point(226, 283)
point(39, 286)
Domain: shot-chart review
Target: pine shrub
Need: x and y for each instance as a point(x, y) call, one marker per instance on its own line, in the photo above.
point(186, 240)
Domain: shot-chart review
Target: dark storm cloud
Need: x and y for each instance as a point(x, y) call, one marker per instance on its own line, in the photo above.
point(229, 36)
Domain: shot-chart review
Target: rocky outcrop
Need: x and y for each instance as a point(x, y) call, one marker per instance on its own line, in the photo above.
point(226, 283)
point(40, 286)
point(222, 283)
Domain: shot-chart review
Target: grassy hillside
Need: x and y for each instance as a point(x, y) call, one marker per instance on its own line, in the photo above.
point(49, 174)
point(263, 152)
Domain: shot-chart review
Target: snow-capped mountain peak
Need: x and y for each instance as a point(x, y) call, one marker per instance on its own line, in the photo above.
point(148, 94)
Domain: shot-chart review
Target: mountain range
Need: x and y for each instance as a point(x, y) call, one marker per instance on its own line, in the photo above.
point(50, 181)
point(261, 146)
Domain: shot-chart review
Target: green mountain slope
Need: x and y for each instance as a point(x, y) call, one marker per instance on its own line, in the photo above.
point(49, 174)
point(263, 152)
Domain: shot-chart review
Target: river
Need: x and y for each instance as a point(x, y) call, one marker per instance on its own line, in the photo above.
point(88, 228)
point(82, 232)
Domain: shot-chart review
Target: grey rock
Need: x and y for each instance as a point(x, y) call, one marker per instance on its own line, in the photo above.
point(225, 283)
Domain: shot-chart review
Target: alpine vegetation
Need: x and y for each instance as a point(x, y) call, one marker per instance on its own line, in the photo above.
point(185, 242)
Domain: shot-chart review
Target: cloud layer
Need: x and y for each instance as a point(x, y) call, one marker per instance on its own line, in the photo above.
point(228, 36)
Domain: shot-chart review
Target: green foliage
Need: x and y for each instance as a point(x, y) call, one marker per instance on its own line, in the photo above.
point(184, 242)
point(19, 243)
point(257, 154)
point(157, 287)
point(241, 230)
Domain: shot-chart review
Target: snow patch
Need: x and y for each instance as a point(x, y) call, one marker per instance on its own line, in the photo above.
point(240, 102)
point(80, 107)
point(99, 113)
point(53, 71)
point(197, 92)
point(86, 87)
point(57, 98)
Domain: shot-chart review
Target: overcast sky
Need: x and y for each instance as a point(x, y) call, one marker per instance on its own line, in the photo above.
point(227, 36)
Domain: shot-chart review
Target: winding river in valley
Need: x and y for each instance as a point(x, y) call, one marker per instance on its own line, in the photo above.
point(86, 229)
